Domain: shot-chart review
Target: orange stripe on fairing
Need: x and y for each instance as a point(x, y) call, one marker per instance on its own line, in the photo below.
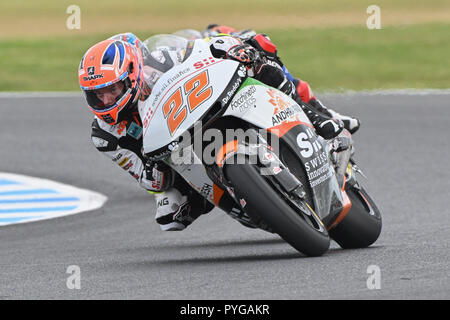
point(230, 146)
point(285, 127)
point(217, 194)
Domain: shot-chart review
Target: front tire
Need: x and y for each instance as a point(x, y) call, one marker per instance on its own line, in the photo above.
point(264, 203)
point(361, 226)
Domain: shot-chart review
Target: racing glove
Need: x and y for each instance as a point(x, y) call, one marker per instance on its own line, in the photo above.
point(243, 53)
point(160, 175)
point(269, 72)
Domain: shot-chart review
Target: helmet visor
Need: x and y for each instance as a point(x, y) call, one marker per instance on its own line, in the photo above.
point(108, 97)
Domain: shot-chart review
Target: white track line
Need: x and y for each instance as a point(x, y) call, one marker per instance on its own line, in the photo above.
point(25, 199)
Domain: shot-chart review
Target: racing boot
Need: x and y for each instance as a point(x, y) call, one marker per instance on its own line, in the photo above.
point(305, 93)
point(174, 212)
point(323, 122)
point(351, 124)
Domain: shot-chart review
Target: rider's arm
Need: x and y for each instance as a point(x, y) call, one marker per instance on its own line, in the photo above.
point(259, 54)
point(113, 142)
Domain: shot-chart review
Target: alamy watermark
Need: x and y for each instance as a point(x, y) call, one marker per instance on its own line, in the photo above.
point(74, 280)
point(213, 146)
point(74, 20)
point(374, 280)
point(374, 20)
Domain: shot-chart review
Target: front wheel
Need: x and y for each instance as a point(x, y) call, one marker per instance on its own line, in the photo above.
point(262, 202)
point(362, 225)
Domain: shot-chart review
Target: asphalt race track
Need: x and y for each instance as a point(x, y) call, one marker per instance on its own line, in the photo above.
point(403, 148)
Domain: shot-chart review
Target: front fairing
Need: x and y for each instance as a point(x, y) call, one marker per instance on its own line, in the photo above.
point(268, 108)
point(313, 151)
point(185, 93)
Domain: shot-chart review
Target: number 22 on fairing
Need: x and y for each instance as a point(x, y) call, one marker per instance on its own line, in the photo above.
point(196, 91)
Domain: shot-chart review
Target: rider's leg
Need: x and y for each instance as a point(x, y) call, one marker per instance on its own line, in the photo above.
point(305, 93)
point(179, 206)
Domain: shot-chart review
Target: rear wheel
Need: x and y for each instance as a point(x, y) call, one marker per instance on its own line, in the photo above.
point(362, 225)
point(262, 202)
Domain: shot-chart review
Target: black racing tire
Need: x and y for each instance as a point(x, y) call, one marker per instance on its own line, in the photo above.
point(362, 225)
point(265, 203)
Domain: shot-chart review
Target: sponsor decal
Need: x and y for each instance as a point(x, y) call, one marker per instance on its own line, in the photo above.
point(231, 92)
point(242, 72)
point(284, 108)
point(147, 117)
point(273, 64)
point(135, 131)
point(176, 76)
point(123, 162)
point(204, 62)
point(156, 185)
point(317, 166)
point(92, 75)
point(276, 170)
point(122, 126)
point(268, 156)
point(134, 175)
point(128, 165)
point(117, 158)
point(163, 202)
point(171, 80)
point(206, 189)
point(307, 144)
point(245, 100)
point(316, 162)
point(282, 116)
point(91, 71)
point(277, 99)
point(243, 203)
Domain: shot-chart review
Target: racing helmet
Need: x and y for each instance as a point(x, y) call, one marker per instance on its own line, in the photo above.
point(105, 64)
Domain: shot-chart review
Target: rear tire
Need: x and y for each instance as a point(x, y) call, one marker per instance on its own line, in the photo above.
point(265, 203)
point(361, 226)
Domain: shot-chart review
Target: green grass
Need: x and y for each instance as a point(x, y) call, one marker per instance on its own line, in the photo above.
point(356, 58)
point(349, 58)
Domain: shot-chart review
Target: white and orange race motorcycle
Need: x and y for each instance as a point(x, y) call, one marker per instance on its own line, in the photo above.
point(242, 144)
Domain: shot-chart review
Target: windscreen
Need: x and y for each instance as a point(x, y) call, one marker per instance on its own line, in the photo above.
point(164, 52)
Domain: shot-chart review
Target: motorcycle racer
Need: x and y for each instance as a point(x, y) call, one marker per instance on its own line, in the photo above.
point(117, 74)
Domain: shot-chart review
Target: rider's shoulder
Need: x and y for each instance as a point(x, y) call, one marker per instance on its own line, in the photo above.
point(116, 130)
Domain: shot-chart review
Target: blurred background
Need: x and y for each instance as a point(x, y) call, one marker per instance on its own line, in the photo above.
point(328, 43)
